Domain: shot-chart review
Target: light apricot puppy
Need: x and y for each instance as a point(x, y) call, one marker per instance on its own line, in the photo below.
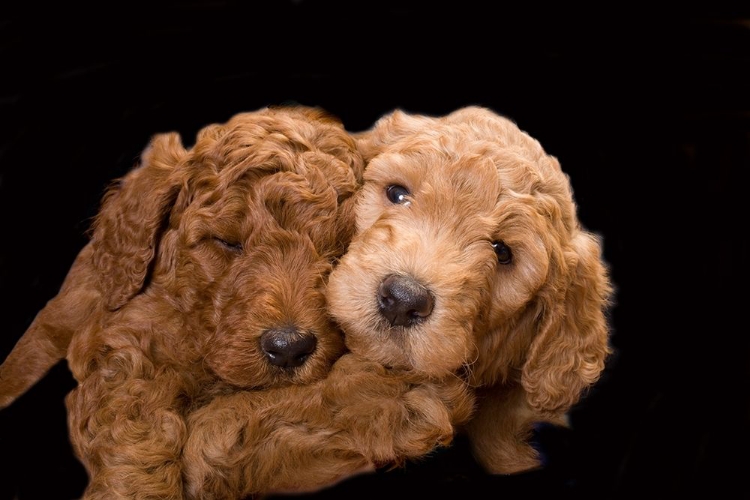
point(468, 254)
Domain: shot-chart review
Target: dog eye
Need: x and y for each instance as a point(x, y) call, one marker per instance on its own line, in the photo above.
point(231, 246)
point(397, 194)
point(504, 255)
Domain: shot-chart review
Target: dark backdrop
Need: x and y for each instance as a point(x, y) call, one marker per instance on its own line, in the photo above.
point(647, 110)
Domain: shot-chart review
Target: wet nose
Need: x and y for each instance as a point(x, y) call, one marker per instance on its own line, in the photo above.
point(287, 347)
point(403, 301)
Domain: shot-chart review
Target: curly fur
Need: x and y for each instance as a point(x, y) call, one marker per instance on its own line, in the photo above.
point(204, 265)
point(531, 333)
point(502, 291)
point(505, 294)
point(303, 438)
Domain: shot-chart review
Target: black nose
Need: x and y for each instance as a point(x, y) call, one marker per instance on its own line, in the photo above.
point(403, 301)
point(287, 347)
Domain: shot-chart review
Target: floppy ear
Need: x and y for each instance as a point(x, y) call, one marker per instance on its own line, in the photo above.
point(568, 353)
point(132, 216)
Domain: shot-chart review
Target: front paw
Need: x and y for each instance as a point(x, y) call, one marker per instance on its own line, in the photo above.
point(433, 410)
point(458, 397)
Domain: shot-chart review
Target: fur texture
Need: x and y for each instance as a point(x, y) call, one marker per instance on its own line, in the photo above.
point(468, 254)
point(303, 438)
point(471, 297)
point(469, 275)
point(205, 273)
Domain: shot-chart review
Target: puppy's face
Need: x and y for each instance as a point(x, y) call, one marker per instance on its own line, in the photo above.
point(245, 227)
point(440, 252)
point(462, 232)
point(251, 275)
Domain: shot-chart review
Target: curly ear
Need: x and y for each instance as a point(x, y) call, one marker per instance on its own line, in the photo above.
point(126, 230)
point(570, 349)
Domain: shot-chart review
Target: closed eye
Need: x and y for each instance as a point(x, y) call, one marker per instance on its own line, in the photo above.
point(229, 245)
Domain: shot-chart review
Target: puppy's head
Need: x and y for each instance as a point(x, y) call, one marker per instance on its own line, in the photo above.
point(238, 234)
point(468, 254)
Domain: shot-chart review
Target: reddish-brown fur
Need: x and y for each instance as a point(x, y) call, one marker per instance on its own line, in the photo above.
point(193, 256)
point(528, 333)
point(300, 438)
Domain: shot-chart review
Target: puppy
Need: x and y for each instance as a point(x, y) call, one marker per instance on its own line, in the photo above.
point(468, 254)
point(469, 275)
point(205, 273)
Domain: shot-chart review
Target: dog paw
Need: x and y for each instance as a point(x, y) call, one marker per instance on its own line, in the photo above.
point(457, 397)
point(434, 411)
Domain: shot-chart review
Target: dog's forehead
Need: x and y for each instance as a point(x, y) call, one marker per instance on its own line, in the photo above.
point(273, 140)
point(440, 162)
point(234, 160)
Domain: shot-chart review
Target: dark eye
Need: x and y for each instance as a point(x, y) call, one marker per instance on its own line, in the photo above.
point(229, 245)
point(397, 194)
point(503, 252)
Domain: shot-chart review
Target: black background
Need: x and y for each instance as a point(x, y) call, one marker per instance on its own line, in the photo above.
point(648, 110)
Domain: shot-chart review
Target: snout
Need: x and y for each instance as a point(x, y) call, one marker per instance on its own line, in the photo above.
point(287, 347)
point(403, 301)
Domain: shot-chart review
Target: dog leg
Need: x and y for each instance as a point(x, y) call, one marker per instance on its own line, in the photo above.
point(131, 445)
point(46, 340)
point(304, 438)
point(501, 430)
